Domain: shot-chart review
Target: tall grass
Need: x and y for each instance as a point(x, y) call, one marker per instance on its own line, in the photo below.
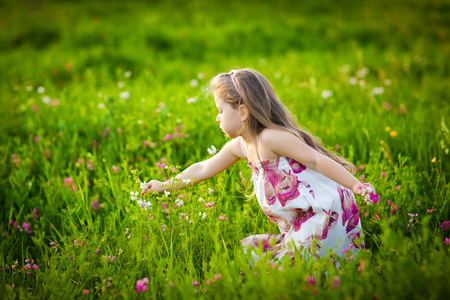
point(89, 92)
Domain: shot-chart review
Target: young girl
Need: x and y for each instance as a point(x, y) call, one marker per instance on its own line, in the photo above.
point(302, 187)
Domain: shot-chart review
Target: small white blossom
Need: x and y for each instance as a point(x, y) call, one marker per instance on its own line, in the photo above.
point(378, 90)
point(127, 74)
point(326, 94)
point(142, 185)
point(41, 90)
point(46, 99)
point(212, 150)
point(387, 82)
point(124, 95)
point(191, 100)
point(101, 105)
point(167, 193)
point(353, 80)
point(186, 181)
point(194, 83)
point(363, 72)
point(200, 75)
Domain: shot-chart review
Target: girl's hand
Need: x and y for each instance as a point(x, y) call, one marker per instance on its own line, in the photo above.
point(366, 190)
point(153, 185)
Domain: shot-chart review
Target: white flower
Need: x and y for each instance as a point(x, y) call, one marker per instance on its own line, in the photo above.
point(142, 185)
point(326, 94)
point(204, 215)
point(378, 90)
point(46, 99)
point(41, 90)
point(186, 181)
point(200, 75)
point(363, 72)
point(353, 80)
point(191, 100)
point(387, 82)
point(194, 82)
point(101, 105)
point(167, 193)
point(127, 74)
point(124, 95)
point(212, 150)
point(120, 84)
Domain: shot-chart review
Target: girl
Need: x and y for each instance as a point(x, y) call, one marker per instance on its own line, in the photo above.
point(302, 187)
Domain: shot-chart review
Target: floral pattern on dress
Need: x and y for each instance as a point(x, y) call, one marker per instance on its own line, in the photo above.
point(314, 213)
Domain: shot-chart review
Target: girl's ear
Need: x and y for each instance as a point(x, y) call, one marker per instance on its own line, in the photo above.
point(243, 112)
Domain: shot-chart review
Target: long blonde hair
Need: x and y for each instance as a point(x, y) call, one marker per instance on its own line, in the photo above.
point(253, 90)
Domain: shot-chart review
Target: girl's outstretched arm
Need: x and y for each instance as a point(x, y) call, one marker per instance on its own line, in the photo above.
point(198, 172)
point(286, 144)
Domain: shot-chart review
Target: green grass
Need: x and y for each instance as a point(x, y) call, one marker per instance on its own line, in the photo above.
point(80, 52)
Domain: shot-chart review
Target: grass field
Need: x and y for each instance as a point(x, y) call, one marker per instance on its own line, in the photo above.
point(97, 96)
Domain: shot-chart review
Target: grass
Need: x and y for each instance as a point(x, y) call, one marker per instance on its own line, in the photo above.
point(117, 78)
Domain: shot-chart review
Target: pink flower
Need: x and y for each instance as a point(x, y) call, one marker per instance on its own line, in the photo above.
point(94, 143)
point(383, 174)
point(310, 280)
point(194, 283)
point(210, 190)
point(35, 266)
point(27, 267)
point(164, 205)
point(146, 143)
point(446, 241)
point(445, 225)
point(168, 137)
point(95, 204)
point(177, 135)
point(115, 169)
point(97, 251)
point(397, 187)
point(86, 292)
point(336, 282)
point(75, 243)
point(209, 204)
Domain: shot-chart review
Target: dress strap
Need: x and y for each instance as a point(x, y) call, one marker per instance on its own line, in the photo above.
point(242, 148)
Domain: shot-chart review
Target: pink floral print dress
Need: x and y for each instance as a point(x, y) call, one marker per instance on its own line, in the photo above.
point(314, 213)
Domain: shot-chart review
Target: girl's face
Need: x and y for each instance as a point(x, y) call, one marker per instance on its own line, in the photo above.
point(228, 117)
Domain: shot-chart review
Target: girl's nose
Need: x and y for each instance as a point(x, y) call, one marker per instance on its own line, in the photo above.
point(218, 118)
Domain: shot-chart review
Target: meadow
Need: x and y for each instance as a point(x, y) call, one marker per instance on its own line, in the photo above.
point(99, 96)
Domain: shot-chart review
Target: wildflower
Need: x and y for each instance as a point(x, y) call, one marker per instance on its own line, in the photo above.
point(191, 100)
point(378, 90)
point(35, 266)
point(445, 225)
point(97, 251)
point(127, 74)
point(433, 160)
point(41, 90)
point(35, 107)
point(141, 285)
point(194, 83)
point(146, 143)
point(164, 205)
point(387, 105)
point(163, 228)
point(393, 133)
point(446, 241)
point(86, 292)
point(353, 80)
point(336, 282)
point(326, 94)
point(90, 165)
point(94, 143)
point(363, 72)
point(209, 204)
point(177, 135)
point(212, 150)
point(166, 193)
point(194, 283)
point(27, 267)
point(75, 243)
point(210, 190)
point(124, 95)
point(383, 174)
point(397, 187)
point(310, 280)
point(115, 169)
point(95, 204)
point(168, 137)
point(222, 218)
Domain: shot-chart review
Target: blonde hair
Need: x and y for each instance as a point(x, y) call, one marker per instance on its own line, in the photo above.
point(252, 89)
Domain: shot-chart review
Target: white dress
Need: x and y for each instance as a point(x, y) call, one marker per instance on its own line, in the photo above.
point(314, 213)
